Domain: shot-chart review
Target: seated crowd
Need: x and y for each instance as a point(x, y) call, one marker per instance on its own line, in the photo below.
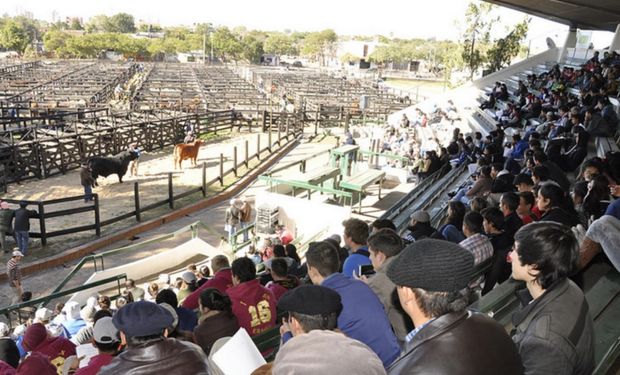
point(375, 301)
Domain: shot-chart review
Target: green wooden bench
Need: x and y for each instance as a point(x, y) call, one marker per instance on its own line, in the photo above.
point(318, 176)
point(342, 157)
point(361, 181)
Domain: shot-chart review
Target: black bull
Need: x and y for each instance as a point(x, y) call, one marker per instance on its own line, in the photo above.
point(105, 166)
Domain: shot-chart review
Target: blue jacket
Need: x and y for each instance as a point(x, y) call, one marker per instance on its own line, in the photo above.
point(363, 317)
point(73, 326)
point(354, 261)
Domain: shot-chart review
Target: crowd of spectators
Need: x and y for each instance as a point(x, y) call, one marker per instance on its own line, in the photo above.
point(372, 300)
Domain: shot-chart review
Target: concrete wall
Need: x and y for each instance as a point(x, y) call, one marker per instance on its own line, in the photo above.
point(150, 266)
point(305, 217)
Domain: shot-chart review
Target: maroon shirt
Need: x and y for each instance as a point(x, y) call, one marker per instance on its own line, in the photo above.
point(254, 306)
point(95, 364)
point(222, 280)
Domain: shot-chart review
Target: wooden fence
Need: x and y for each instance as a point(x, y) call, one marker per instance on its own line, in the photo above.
point(45, 210)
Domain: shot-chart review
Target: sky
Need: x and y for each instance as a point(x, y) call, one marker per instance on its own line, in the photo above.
point(397, 18)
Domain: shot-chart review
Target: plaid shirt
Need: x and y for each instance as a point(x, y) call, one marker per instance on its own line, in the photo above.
point(480, 246)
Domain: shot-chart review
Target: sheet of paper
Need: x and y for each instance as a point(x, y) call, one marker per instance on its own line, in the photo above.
point(87, 351)
point(239, 356)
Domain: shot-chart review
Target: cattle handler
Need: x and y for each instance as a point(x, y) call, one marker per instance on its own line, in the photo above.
point(87, 181)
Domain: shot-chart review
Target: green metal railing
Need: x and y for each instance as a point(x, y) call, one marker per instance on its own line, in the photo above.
point(305, 186)
point(193, 228)
point(42, 301)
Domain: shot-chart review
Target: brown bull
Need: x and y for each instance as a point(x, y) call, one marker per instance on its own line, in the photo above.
point(185, 151)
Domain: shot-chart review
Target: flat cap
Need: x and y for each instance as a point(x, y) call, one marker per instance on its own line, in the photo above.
point(432, 265)
point(142, 318)
point(421, 216)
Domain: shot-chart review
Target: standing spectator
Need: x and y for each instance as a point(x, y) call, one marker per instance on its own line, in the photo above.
point(14, 276)
point(245, 218)
point(106, 339)
point(144, 327)
point(21, 225)
point(384, 245)
point(253, 304)
point(133, 164)
point(221, 280)
point(554, 330)
point(87, 181)
point(355, 237)
point(363, 317)
point(233, 215)
point(56, 349)
point(312, 318)
point(432, 278)
point(216, 320)
point(6, 214)
point(8, 349)
point(281, 280)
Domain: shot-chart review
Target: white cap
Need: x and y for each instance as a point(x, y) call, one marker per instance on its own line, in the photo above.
point(72, 309)
point(43, 314)
point(17, 253)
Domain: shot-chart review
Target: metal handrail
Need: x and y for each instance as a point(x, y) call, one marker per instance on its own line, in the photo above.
point(95, 257)
point(42, 301)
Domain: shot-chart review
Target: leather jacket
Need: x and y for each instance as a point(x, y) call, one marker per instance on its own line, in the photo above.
point(554, 333)
point(459, 343)
point(166, 356)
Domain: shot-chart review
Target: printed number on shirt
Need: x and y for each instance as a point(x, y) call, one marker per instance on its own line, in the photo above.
point(261, 313)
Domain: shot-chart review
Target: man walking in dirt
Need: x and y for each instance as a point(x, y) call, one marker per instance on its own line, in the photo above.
point(14, 276)
point(87, 181)
point(21, 225)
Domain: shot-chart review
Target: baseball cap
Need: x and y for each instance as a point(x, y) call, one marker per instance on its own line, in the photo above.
point(105, 332)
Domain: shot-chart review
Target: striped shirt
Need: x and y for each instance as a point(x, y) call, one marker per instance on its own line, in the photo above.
point(13, 272)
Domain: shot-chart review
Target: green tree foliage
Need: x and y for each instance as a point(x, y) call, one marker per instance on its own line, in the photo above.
point(226, 44)
point(121, 23)
point(98, 23)
point(75, 24)
point(477, 35)
point(280, 44)
point(505, 49)
point(319, 45)
point(13, 36)
point(252, 47)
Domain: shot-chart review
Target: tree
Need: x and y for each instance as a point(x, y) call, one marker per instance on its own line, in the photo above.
point(478, 32)
point(226, 44)
point(318, 45)
point(252, 48)
point(98, 23)
point(121, 23)
point(279, 44)
point(76, 24)
point(55, 40)
point(13, 36)
point(505, 49)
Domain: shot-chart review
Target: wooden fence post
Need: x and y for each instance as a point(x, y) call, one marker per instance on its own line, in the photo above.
point(247, 162)
point(170, 192)
point(316, 120)
point(136, 200)
point(279, 132)
point(269, 140)
point(221, 169)
point(42, 223)
point(204, 179)
point(97, 216)
point(235, 160)
point(258, 146)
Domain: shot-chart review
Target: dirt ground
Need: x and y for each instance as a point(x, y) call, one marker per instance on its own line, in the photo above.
point(118, 198)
